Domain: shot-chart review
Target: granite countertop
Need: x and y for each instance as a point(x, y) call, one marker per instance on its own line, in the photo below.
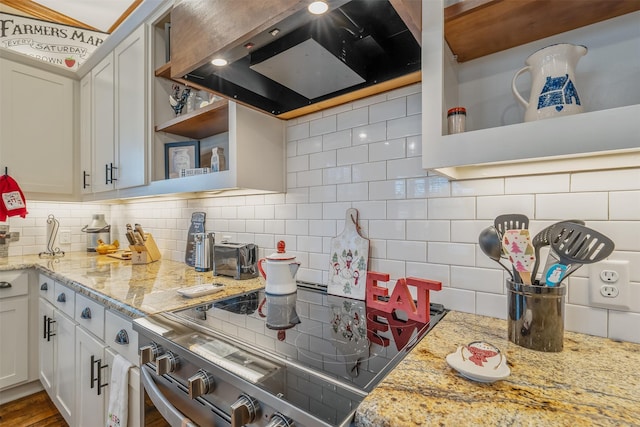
point(134, 290)
point(593, 381)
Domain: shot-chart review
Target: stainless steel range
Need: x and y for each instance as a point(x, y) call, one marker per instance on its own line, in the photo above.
point(304, 359)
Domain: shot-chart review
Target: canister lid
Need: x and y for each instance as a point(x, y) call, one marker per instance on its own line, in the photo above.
point(457, 110)
point(281, 255)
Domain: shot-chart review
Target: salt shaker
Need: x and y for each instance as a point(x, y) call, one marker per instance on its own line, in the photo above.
point(456, 118)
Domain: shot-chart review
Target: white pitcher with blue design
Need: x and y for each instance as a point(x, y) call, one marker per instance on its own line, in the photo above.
point(553, 82)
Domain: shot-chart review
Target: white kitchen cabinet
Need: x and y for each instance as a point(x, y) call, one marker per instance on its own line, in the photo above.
point(14, 328)
point(57, 358)
point(86, 169)
point(134, 400)
point(37, 141)
point(497, 142)
point(118, 116)
point(92, 378)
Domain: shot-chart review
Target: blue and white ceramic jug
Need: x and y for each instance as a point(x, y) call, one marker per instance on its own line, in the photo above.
point(553, 87)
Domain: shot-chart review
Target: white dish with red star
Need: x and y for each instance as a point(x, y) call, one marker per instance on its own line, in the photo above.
point(479, 361)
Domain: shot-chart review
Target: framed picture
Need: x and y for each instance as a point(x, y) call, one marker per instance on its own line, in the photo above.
point(179, 156)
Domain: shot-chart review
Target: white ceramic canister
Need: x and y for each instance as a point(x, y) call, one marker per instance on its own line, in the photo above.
point(280, 272)
point(553, 82)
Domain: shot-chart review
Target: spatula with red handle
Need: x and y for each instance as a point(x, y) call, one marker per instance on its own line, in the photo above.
point(517, 245)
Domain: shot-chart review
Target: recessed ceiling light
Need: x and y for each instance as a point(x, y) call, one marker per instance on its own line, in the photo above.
point(220, 62)
point(318, 7)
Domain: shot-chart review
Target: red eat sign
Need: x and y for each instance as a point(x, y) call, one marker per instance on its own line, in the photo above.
point(401, 298)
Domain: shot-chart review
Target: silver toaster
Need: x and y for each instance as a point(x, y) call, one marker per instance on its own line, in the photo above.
point(237, 260)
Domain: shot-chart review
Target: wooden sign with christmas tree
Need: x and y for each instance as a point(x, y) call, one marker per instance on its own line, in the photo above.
point(348, 260)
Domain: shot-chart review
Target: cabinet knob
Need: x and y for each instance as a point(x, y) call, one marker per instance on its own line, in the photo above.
point(244, 410)
point(62, 297)
point(166, 363)
point(122, 337)
point(279, 420)
point(5, 285)
point(200, 383)
point(44, 287)
point(86, 313)
point(148, 353)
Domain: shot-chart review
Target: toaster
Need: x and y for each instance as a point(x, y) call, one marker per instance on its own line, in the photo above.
point(237, 260)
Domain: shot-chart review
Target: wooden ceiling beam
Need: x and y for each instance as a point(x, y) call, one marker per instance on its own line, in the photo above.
point(44, 13)
point(124, 16)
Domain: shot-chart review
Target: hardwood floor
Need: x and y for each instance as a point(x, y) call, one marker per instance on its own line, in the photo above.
point(36, 410)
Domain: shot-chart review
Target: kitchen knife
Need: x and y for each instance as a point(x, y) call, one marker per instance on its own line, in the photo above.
point(138, 228)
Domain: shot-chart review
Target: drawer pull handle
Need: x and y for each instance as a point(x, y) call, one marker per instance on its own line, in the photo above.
point(86, 313)
point(100, 366)
point(5, 285)
point(44, 287)
point(122, 337)
point(62, 297)
point(49, 334)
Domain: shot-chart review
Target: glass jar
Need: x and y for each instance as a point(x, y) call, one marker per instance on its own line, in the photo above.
point(456, 120)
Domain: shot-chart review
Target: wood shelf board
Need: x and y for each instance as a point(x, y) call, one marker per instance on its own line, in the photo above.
point(201, 123)
point(164, 71)
point(476, 28)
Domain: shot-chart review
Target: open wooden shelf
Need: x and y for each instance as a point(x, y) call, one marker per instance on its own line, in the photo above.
point(201, 123)
point(475, 28)
point(164, 71)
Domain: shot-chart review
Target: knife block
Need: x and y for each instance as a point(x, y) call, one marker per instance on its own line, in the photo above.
point(146, 253)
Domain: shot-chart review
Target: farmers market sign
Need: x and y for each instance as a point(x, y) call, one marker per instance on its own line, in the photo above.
point(61, 45)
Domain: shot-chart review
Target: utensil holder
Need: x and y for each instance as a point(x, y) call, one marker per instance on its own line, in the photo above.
point(146, 253)
point(536, 316)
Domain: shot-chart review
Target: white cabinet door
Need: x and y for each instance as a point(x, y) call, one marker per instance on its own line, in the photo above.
point(103, 125)
point(36, 130)
point(46, 344)
point(134, 397)
point(86, 169)
point(92, 376)
point(130, 59)
point(14, 332)
point(65, 367)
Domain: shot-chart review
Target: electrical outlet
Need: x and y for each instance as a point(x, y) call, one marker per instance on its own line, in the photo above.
point(65, 237)
point(609, 284)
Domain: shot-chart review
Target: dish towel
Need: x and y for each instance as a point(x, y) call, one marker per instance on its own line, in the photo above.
point(12, 201)
point(119, 393)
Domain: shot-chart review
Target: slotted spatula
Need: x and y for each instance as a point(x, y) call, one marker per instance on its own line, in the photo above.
point(575, 245)
point(543, 239)
point(505, 222)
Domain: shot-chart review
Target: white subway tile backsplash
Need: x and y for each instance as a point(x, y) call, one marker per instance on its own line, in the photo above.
point(376, 171)
point(337, 175)
point(298, 227)
point(353, 118)
point(352, 155)
point(490, 207)
point(387, 190)
point(292, 149)
point(624, 205)
point(430, 231)
point(335, 210)
point(387, 229)
point(265, 212)
point(322, 126)
point(624, 326)
point(299, 131)
point(477, 279)
point(393, 149)
point(456, 299)
point(414, 146)
point(388, 110)
point(404, 127)
point(452, 208)
point(558, 183)
point(452, 254)
point(324, 193)
point(298, 195)
point(467, 231)
point(326, 159)
point(367, 134)
point(405, 91)
point(491, 305)
point(407, 251)
point(586, 320)
point(336, 140)
point(309, 178)
point(405, 168)
point(435, 272)
point(395, 269)
point(585, 206)
point(297, 164)
point(614, 180)
point(353, 192)
point(625, 234)
point(430, 186)
point(309, 145)
point(309, 211)
point(371, 209)
point(255, 226)
point(406, 209)
point(414, 104)
point(478, 187)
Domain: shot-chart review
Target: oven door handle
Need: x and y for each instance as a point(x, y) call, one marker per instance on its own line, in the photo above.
point(169, 412)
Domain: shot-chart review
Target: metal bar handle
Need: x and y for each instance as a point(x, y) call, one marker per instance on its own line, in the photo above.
point(106, 173)
point(112, 168)
point(162, 404)
point(5, 285)
point(49, 334)
point(100, 368)
point(93, 373)
point(84, 179)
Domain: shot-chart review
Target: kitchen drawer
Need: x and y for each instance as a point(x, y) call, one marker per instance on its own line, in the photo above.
point(64, 299)
point(120, 336)
point(46, 287)
point(90, 315)
point(14, 283)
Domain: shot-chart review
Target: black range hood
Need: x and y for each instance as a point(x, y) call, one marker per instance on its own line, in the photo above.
point(357, 44)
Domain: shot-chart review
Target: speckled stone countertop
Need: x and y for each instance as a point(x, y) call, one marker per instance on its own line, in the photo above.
point(593, 381)
point(134, 290)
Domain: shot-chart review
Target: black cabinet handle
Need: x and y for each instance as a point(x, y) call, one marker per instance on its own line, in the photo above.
point(50, 321)
point(44, 287)
point(62, 297)
point(86, 313)
point(112, 168)
point(96, 374)
point(84, 179)
point(106, 174)
point(5, 285)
